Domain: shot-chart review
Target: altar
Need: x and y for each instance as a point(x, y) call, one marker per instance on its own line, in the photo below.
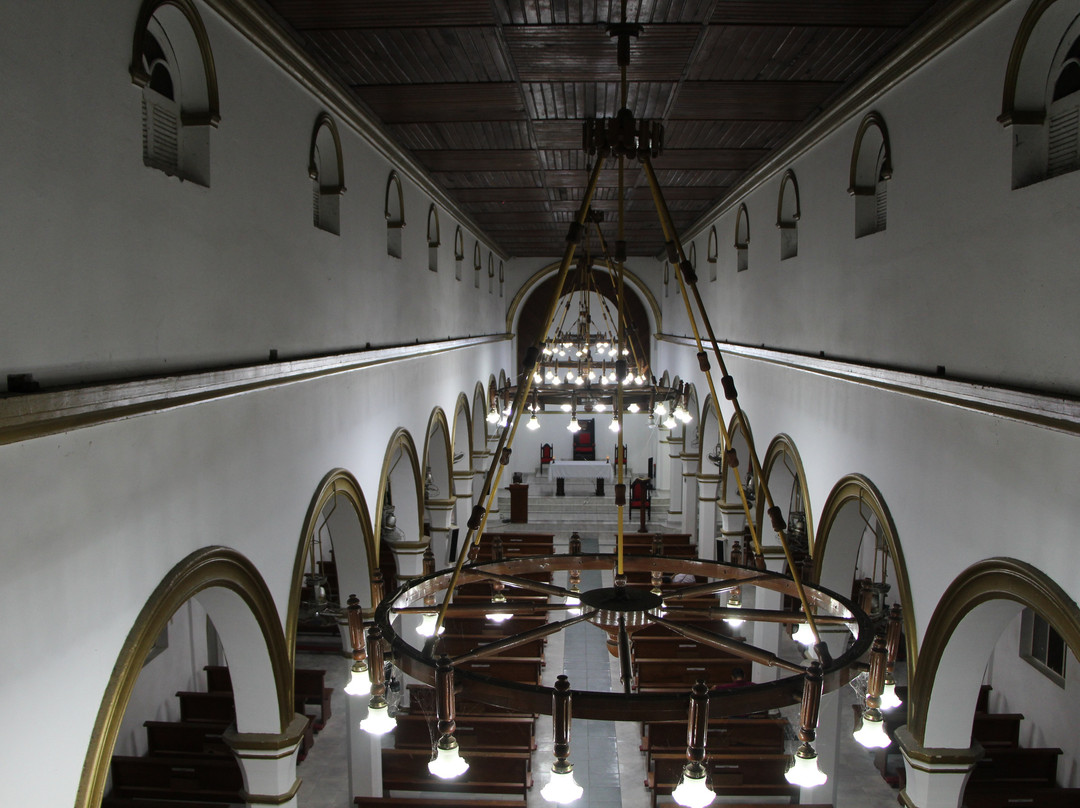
point(581, 469)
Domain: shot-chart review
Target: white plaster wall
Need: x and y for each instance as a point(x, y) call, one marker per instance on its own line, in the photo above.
point(641, 441)
point(1020, 688)
point(112, 268)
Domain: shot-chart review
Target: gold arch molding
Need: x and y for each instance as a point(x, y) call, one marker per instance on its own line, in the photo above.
point(401, 439)
point(437, 421)
point(462, 410)
point(992, 579)
point(207, 568)
point(780, 446)
point(335, 483)
point(857, 489)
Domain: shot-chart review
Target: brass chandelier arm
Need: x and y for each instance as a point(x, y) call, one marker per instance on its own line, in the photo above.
point(710, 588)
point(490, 488)
point(754, 615)
point(525, 583)
point(515, 640)
point(722, 643)
point(731, 395)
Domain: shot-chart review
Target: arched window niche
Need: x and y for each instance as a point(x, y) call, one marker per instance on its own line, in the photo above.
point(478, 264)
point(327, 174)
point(171, 61)
point(1041, 99)
point(502, 278)
point(491, 273)
point(395, 215)
point(788, 214)
point(871, 169)
point(667, 277)
point(712, 255)
point(459, 252)
point(742, 239)
point(433, 240)
point(693, 256)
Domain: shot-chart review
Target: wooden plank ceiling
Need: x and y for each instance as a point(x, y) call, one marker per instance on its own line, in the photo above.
point(490, 95)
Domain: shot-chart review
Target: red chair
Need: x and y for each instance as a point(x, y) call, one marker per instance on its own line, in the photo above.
point(547, 454)
point(640, 497)
point(584, 447)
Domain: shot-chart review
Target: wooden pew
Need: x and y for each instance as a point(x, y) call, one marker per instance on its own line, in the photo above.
point(1023, 797)
point(422, 699)
point(722, 734)
point(162, 802)
point(195, 778)
point(186, 738)
point(754, 775)
point(516, 669)
point(216, 708)
point(405, 770)
point(659, 675)
point(488, 628)
point(308, 688)
point(454, 644)
point(416, 730)
point(1016, 767)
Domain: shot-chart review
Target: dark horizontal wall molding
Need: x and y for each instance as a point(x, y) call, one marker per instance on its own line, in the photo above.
point(50, 412)
point(1059, 413)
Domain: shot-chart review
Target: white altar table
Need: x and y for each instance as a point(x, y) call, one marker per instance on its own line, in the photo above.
point(581, 469)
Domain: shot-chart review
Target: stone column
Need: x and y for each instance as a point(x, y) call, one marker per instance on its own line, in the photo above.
point(463, 488)
point(675, 504)
point(441, 516)
point(707, 486)
point(663, 465)
point(689, 497)
point(268, 763)
point(732, 522)
point(935, 777)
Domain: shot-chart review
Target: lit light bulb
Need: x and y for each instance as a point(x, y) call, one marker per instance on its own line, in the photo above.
point(633, 407)
point(629, 379)
point(660, 410)
point(565, 407)
point(427, 625)
point(603, 379)
point(547, 350)
point(599, 406)
point(592, 375)
point(537, 378)
point(803, 635)
point(580, 380)
point(503, 421)
point(639, 380)
point(549, 375)
point(612, 377)
point(534, 423)
point(562, 787)
point(804, 772)
point(378, 721)
point(573, 426)
point(872, 732)
point(448, 762)
point(493, 416)
point(692, 791)
point(670, 422)
point(569, 375)
point(574, 602)
point(497, 600)
point(359, 682)
point(889, 699)
point(556, 381)
point(614, 425)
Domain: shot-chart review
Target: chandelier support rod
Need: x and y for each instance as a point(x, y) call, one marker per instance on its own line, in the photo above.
point(730, 393)
point(490, 488)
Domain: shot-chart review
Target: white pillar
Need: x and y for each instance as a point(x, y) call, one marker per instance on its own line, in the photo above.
point(441, 517)
point(365, 752)
point(689, 497)
point(732, 522)
point(463, 488)
point(663, 465)
point(268, 763)
point(707, 485)
point(675, 504)
point(767, 635)
point(935, 777)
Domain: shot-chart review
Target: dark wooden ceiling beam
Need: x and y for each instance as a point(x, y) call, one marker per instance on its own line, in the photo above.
point(479, 160)
point(415, 103)
point(751, 100)
point(869, 13)
point(337, 14)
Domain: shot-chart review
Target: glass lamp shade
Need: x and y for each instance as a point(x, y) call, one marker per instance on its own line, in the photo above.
point(493, 416)
point(448, 763)
point(427, 625)
point(660, 410)
point(574, 602)
point(534, 423)
point(498, 617)
point(734, 622)
point(693, 792)
point(378, 721)
point(537, 378)
point(573, 426)
point(359, 683)
point(805, 773)
point(670, 422)
point(599, 406)
point(562, 787)
point(614, 425)
point(889, 699)
point(633, 407)
point(872, 732)
point(803, 635)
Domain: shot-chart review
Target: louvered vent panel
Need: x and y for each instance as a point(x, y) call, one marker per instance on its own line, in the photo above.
point(161, 142)
point(881, 197)
point(1063, 151)
point(315, 201)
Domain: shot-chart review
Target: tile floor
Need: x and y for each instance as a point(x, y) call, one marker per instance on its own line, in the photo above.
point(607, 763)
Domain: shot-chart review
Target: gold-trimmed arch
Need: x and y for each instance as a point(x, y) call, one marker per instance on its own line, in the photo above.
point(632, 280)
point(206, 568)
point(462, 409)
point(788, 181)
point(191, 14)
point(1023, 55)
point(480, 405)
point(742, 227)
point(436, 420)
point(337, 482)
point(393, 183)
point(1006, 579)
point(709, 413)
point(872, 120)
point(780, 446)
point(459, 244)
point(858, 489)
point(712, 246)
point(401, 439)
point(433, 237)
point(736, 426)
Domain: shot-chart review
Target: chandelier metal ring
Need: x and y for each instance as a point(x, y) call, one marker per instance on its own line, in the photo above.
point(420, 661)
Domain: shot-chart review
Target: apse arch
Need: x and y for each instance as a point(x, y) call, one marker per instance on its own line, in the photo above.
point(242, 609)
point(844, 518)
point(355, 564)
point(525, 321)
point(400, 484)
point(439, 453)
point(783, 474)
point(965, 625)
